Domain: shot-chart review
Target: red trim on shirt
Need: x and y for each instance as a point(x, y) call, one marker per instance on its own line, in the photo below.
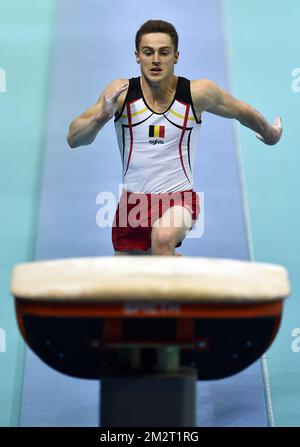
point(131, 134)
point(183, 103)
point(182, 135)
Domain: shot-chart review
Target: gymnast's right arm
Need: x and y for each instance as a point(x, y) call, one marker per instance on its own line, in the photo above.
point(84, 129)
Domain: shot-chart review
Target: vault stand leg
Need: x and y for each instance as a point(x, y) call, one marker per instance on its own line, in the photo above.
point(157, 399)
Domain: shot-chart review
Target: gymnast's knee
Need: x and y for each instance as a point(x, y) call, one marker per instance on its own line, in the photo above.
point(162, 239)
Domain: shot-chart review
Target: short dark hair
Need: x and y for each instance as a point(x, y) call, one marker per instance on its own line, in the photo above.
point(157, 26)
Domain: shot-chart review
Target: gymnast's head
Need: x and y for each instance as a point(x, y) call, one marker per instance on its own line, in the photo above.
point(156, 49)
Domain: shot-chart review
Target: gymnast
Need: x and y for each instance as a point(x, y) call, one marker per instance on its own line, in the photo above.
point(157, 122)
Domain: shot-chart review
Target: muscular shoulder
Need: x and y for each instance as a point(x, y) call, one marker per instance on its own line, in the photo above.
point(204, 92)
point(200, 87)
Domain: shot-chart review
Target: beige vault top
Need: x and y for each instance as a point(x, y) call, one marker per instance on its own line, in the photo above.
point(150, 278)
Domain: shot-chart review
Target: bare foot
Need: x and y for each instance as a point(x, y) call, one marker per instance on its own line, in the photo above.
point(178, 254)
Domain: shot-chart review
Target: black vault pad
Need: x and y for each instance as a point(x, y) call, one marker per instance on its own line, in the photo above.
point(220, 348)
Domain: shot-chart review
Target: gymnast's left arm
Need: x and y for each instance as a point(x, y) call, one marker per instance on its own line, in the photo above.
point(211, 98)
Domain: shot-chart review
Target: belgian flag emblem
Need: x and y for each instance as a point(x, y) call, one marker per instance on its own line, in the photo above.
point(157, 131)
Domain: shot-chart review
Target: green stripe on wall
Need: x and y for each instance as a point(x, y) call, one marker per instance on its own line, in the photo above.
point(263, 42)
point(26, 34)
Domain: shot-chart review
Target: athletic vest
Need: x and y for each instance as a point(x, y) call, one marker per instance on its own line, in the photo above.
point(157, 149)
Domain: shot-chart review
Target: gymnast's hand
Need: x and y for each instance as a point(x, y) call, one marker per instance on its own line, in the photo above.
point(109, 101)
point(274, 134)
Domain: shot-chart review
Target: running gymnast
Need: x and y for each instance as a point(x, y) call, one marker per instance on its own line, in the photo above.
point(157, 121)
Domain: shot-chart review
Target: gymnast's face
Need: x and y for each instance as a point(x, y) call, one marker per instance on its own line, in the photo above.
point(157, 56)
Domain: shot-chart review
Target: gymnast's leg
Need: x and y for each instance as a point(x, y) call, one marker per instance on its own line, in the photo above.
point(169, 230)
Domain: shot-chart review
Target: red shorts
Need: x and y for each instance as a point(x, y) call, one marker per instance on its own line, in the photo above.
point(137, 212)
